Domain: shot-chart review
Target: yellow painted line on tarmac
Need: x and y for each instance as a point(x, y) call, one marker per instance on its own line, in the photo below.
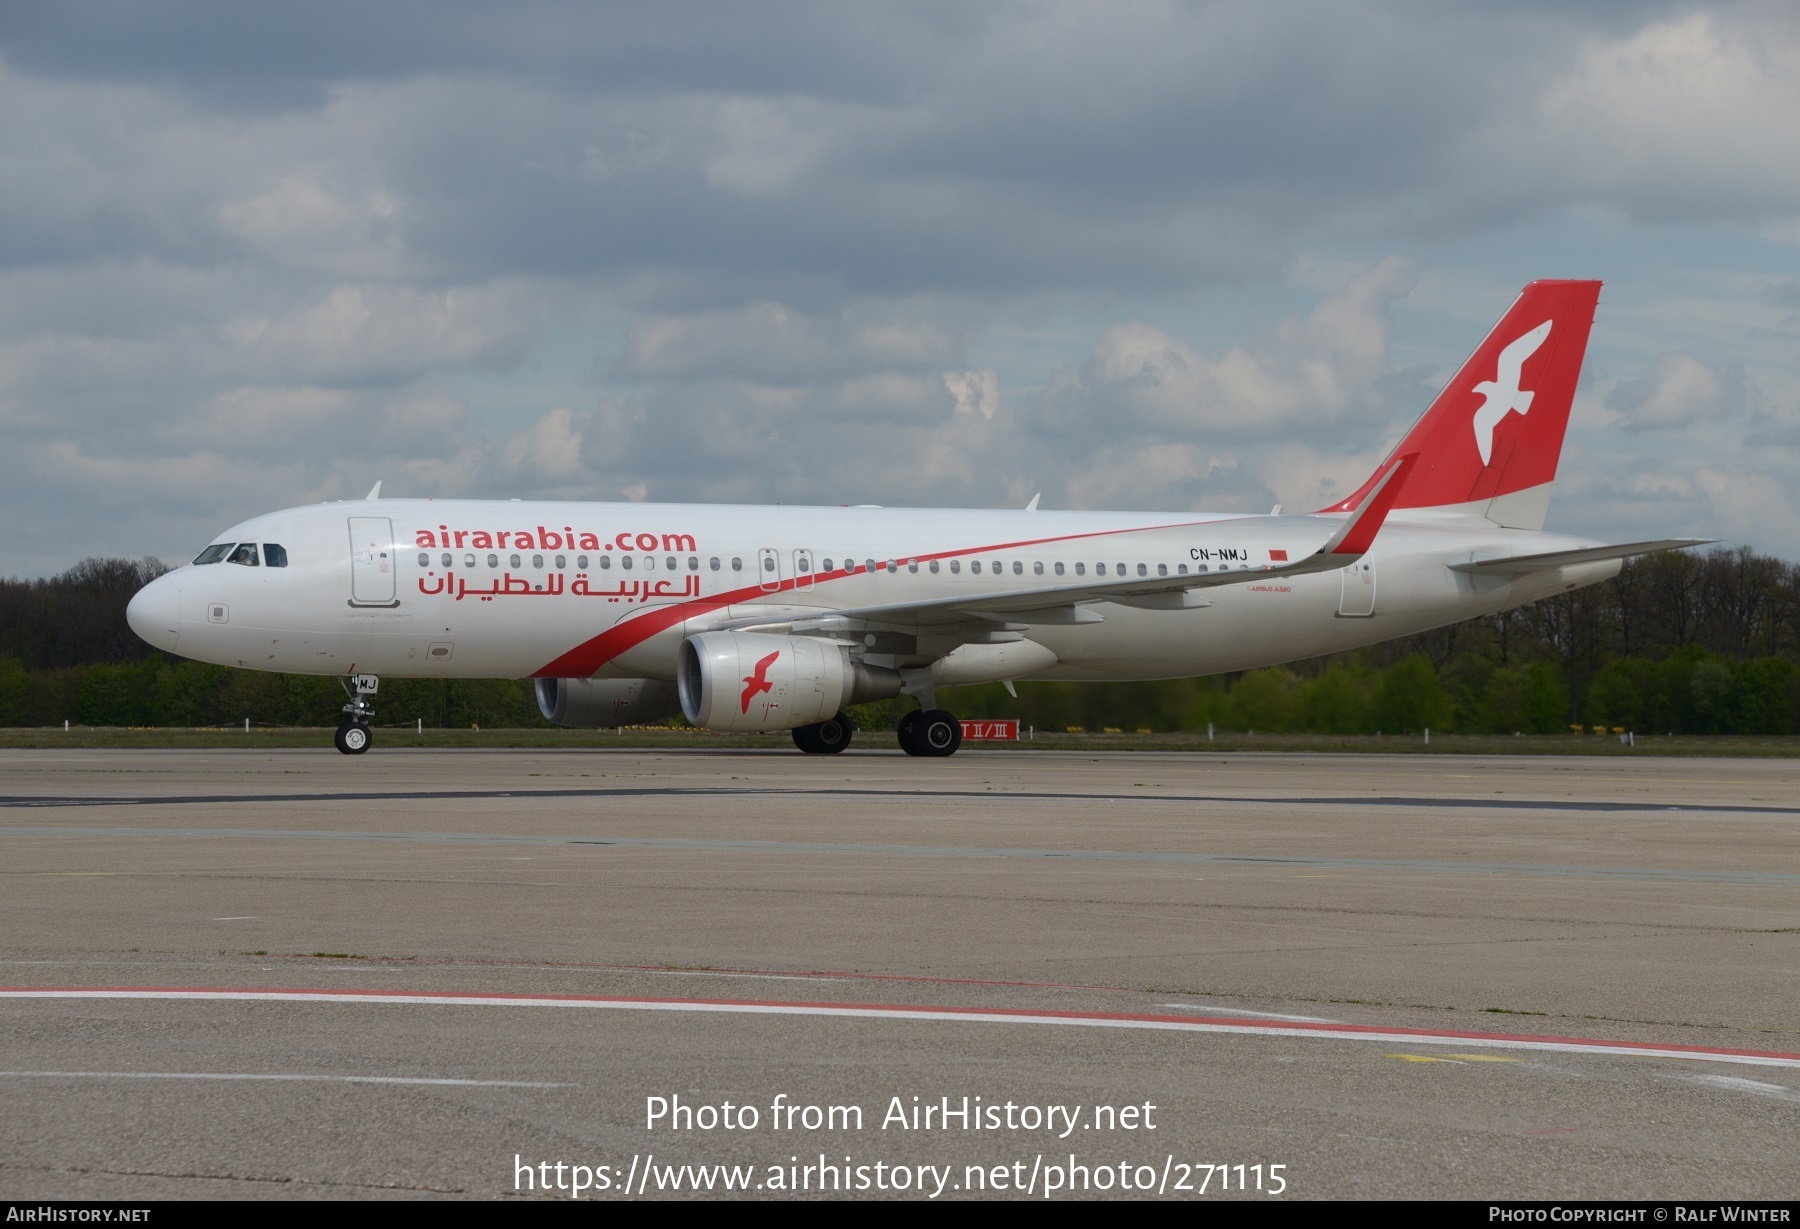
point(1423, 1058)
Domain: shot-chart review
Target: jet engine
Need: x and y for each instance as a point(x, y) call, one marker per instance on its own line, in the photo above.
point(747, 681)
point(606, 702)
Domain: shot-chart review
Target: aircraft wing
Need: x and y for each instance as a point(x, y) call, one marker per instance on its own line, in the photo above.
point(1519, 565)
point(1069, 603)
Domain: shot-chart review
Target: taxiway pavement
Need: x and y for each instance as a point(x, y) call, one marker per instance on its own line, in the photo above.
point(1400, 976)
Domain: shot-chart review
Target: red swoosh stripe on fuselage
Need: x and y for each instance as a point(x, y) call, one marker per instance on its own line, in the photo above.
point(585, 659)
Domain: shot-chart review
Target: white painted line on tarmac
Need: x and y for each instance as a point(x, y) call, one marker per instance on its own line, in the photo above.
point(943, 1014)
point(1732, 1083)
point(277, 1076)
point(1254, 1015)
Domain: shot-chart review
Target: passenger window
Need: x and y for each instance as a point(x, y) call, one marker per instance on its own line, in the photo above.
point(869, 565)
point(493, 561)
point(975, 566)
point(1037, 568)
point(693, 563)
point(828, 563)
point(768, 563)
point(625, 562)
point(801, 563)
point(1181, 568)
point(581, 561)
point(892, 566)
point(934, 567)
point(649, 562)
point(737, 564)
point(274, 555)
point(672, 563)
point(1059, 568)
point(1200, 567)
point(715, 563)
point(1099, 569)
point(605, 562)
point(955, 566)
point(1162, 569)
point(561, 563)
point(424, 559)
point(449, 560)
point(1081, 569)
point(1142, 570)
point(1018, 568)
point(912, 565)
point(514, 561)
point(468, 560)
point(213, 554)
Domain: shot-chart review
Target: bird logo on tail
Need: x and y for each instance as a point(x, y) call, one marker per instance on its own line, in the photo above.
point(1502, 394)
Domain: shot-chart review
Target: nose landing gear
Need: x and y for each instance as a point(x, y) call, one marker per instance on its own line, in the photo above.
point(353, 737)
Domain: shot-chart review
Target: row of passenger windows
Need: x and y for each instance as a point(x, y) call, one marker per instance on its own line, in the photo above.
point(672, 563)
point(244, 554)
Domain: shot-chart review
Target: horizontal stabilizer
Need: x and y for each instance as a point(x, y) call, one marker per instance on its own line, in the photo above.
point(1519, 565)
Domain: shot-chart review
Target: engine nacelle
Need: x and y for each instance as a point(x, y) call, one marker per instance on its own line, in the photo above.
point(747, 681)
point(606, 702)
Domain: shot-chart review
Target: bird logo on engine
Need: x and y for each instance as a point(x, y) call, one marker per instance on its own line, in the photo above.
point(758, 682)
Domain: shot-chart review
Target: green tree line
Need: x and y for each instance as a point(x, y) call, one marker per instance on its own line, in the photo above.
point(1682, 642)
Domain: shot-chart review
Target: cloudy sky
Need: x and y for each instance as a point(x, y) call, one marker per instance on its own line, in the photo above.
point(1128, 255)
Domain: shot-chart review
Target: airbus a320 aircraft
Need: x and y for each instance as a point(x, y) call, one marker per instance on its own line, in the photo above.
point(768, 619)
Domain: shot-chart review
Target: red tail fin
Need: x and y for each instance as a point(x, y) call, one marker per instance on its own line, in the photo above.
point(1490, 442)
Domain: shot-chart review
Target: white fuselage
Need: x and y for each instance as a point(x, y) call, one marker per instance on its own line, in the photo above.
point(513, 589)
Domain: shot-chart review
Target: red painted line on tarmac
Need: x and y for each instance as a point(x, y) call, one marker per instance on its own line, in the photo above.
point(901, 1011)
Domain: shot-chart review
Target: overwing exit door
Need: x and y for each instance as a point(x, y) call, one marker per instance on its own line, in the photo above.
point(1357, 598)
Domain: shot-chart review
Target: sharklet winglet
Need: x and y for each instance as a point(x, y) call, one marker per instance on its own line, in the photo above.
point(1358, 533)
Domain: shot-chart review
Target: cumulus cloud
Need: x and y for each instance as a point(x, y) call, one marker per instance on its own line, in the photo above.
point(1320, 371)
point(1678, 391)
point(1750, 505)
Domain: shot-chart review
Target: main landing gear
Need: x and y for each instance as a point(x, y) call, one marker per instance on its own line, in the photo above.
point(826, 737)
point(353, 737)
point(930, 731)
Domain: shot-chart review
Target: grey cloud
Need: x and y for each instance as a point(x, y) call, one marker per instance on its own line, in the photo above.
point(233, 56)
point(772, 343)
point(238, 236)
point(1003, 151)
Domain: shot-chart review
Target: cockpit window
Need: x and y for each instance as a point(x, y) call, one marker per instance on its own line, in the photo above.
point(244, 554)
point(274, 555)
point(214, 553)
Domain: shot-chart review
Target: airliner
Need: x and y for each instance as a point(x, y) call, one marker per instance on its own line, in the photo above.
point(779, 618)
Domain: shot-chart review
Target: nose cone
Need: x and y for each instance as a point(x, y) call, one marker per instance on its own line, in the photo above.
point(155, 613)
